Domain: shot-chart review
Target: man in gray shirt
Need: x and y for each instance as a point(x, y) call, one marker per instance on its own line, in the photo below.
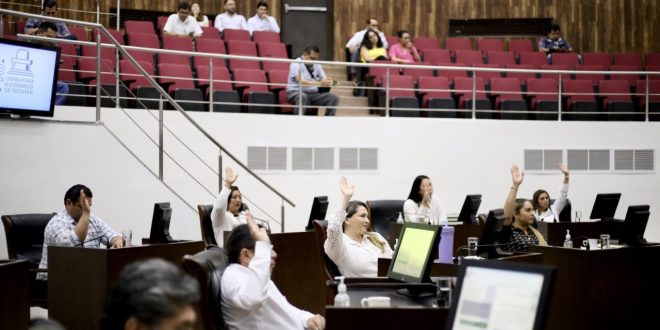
point(310, 77)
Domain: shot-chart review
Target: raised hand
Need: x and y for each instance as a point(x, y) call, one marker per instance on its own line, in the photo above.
point(84, 202)
point(259, 234)
point(346, 189)
point(230, 177)
point(563, 169)
point(517, 175)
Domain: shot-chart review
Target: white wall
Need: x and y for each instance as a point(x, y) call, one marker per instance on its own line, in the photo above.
point(461, 157)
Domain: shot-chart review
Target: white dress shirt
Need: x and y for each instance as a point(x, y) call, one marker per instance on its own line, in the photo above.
point(553, 211)
point(250, 300)
point(356, 40)
point(412, 212)
point(354, 259)
point(226, 21)
point(222, 219)
point(256, 23)
point(175, 26)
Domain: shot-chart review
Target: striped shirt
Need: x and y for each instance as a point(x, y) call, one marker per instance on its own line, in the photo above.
point(59, 232)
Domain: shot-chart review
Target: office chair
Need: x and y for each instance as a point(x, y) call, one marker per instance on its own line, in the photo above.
point(207, 267)
point(382, 213)
point(25, 238)
point(330, 268)
point(206, 224)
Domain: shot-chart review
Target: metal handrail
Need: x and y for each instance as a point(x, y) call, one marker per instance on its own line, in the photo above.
point(155, 85)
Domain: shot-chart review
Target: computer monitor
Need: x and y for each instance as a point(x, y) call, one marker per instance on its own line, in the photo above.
point(319, 209)
point(605, 206)
point(414, 255)
point(469, 210)
point(491, 235)
point(634, 225)
point(28, 78)
point(497, 294)
point(160, 224)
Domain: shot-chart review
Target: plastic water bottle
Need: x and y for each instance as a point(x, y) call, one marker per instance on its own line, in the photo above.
point(399, 219)
point(341, 299)
point(568, 243)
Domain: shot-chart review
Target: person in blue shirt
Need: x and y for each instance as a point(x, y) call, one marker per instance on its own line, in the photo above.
point(49, 8)
point(554, 43)
point(313, 82)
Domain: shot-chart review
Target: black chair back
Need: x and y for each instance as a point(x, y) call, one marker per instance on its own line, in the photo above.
point(206, 225)
point(207, 267)
point(25, 235)
point(383, 212)
point(565, 214)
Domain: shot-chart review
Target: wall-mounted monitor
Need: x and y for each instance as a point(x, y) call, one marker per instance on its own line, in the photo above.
point(28, 78)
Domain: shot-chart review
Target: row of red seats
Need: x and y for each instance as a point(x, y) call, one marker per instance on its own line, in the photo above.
point(133, 26)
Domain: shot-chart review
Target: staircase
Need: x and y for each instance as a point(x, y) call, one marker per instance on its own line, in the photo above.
point(345, 93)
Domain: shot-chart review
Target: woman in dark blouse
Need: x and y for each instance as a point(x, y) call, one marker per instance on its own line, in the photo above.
point(519, 217)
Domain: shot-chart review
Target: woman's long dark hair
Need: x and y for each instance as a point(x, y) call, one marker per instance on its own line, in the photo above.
point(414, 191)
point(535, 198)
point(367, 43)
point(231, 192)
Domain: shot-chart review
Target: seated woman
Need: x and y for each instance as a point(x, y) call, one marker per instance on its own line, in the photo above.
point(545, 212)
point(349, 242)
point(422, 205)
point(372, 48)
point(519, 218)
point(404, 51)
point(226, 214)
point(198, 15)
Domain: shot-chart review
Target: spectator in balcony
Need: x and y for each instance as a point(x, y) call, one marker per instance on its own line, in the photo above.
point(198, 15)
point(372, 47)
point(554, 43)
point(49, 29)
point(229, 19)
point(182, 24)
point(48, 8)
point(313, 81)
point(262, 21)
point(355, 42)
point(404, 51)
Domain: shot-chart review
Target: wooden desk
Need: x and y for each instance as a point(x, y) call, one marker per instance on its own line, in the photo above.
point(78, 278)
point(14, 294)
point(603, 289)
point(555, 233)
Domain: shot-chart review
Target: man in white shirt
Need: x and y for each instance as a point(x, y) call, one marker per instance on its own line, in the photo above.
point(182, 24)
point(229, 19)
point(250, 300)
point(262, 21)
point(353, 45)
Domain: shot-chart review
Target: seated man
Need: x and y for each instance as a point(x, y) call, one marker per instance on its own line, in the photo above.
point(310, 77)
point(77, 226)
point(49, 8)
point(182, 24)
point(151, 294)
point(262, 21)
point(229, 19)
point(553, 43)
point(354, 44)
point(250, 300)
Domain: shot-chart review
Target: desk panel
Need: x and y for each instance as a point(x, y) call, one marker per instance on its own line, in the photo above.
point(14, 294)
point(555, 233)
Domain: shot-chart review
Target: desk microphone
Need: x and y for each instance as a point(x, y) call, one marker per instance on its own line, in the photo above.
point(89, 240)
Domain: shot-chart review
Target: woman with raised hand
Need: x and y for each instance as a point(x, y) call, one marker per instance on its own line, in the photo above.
point(519, 218)
point(226, 214)
point(422, 206)
point(349, 243)
point(545, 212)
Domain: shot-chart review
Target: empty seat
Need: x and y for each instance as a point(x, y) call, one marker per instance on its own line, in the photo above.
point(544, 97)
point(463, 89)
point(160, 22)
point(436, 56)
point(175, 43)
point(456, 44)
point(213, 46)
point(469, 57)
point(209, 32)
point(617, 98)
point(146, 40)
point(254, 90)
point(278, 81)
point(178, 81)
point(134, 26)
point(235, 34)
point(652, 59)
point(79, 32)
point(654, 69)
point(452, 74)
point(391, 40)
point(518, 46)
point(6, 28)
point(602, 59)
point(522, 76)
point(87, 74)
point(19, 26)
point(490, 45)
point(501, 58)
point(416, 73)
point(579, 98)
point(375, 73)
point(533, 58)
point(654, 98)
point(488, 75)
point(426, 43)
point(508, 96)
point(247, 48)
point(402, 95)
point(147, 95)
point(435, 93)
point(222, 91)
point(279, 66)
point(265, 36)
point(272, 49)
point(631, 78)
point(118, 35)
point(564, 76)
point(593, 77)
point(66, 70)
point(107, 53)
point(569, 59)
point(628, 59)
